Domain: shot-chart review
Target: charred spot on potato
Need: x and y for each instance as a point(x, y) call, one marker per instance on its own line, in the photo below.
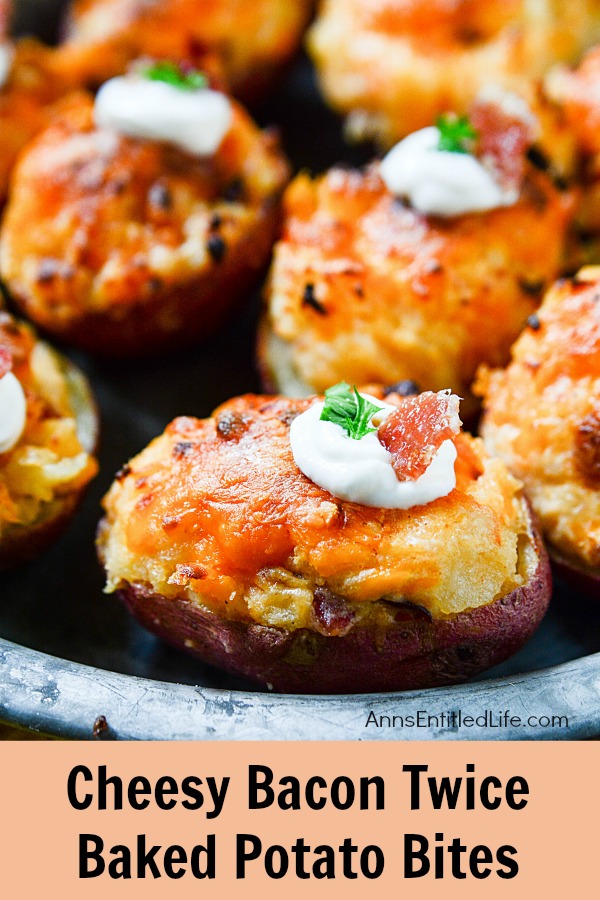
point(538, 158)
point(406, 388)
point(234, 191)
point(182, 449)
point(533, 288)
point(534, 323)
point(232, 426)
point(433, 267)
point(332, 612)
point(117, 186)
point(48, 270)
point(587, 447)
point(359, 290)
point(309, 299)
point(160, 197)
point(123, 472)
point(217, 247)
point(469, 36)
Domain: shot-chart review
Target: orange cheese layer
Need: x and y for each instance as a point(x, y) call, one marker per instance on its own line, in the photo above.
point(217, 512)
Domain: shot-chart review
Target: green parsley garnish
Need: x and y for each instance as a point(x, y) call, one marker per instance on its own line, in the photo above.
point(345, 406)
point(457, 135)
point(170, 73)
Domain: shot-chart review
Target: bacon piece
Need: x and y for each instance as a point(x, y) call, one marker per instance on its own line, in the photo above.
point(332, 612)
point(506, 130)
point(415, 431)
point(6, 361)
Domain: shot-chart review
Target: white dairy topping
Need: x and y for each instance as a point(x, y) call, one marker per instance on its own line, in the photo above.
point(440, 183)
point(361, 471)
point(7, 52)
point(195, 120)
point(13, 412)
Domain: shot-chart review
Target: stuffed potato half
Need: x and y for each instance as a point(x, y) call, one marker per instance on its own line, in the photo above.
point(219, 544)
point(249, 42)
point(364, 287)
point(47, 462)
point(542, 416)
point(392, 66)
point(123, 246)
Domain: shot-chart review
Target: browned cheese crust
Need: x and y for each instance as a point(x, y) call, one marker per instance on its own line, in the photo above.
point(248, 42)
point(220, 544)
point(122, 246)
point(542, 416)
point(393, 66)
point(364, 288)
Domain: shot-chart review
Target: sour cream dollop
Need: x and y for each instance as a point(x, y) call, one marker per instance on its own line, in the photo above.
point(361, 471)
point(7, 53)
point(440, 183)
point(13, 412)
point(195, 120)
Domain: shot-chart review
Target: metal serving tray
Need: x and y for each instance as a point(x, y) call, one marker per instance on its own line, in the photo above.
point(69, 654)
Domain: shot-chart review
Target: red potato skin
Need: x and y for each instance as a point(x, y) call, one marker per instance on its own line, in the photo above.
point(414, 651)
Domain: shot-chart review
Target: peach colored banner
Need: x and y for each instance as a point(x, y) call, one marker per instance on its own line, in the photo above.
point(533, 817)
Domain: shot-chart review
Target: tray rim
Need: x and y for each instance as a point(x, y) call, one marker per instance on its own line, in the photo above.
point(53, 696)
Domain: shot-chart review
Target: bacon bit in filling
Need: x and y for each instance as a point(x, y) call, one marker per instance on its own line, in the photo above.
point(333, 613)
point(6, 361)
point(504, 138)
point(415, 431)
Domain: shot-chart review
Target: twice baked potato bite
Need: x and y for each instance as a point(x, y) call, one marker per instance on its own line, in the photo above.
point(576, 92)
point(138, 220)
point(48, 433)
point(392, 66)
point(30, 81)
point(420, 267)
point(542, 416)
point(250, 42)
point(405, 558)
